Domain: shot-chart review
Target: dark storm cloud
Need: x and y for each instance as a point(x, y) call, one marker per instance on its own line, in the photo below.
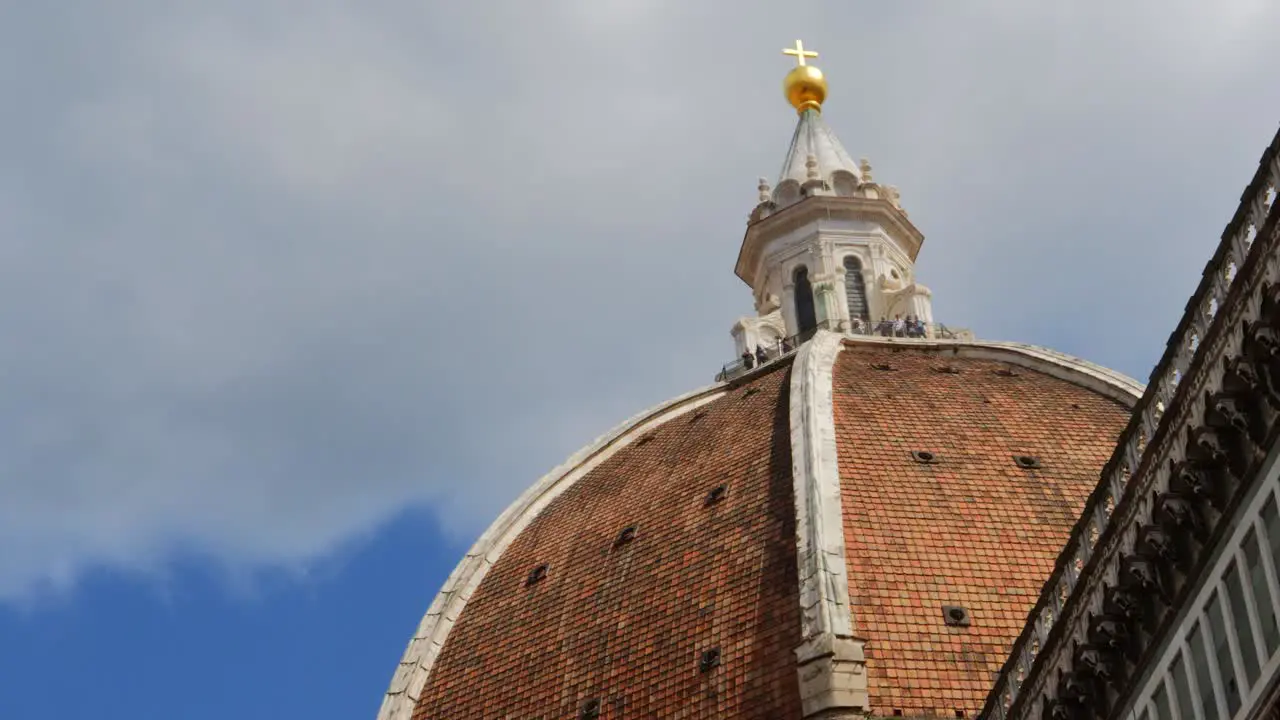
point(273, 272)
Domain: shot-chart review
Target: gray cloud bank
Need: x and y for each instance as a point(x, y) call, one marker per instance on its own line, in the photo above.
point(271, 273)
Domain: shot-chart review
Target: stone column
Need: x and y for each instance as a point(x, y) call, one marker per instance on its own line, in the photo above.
point(790, 324)
point(821, 301)
point(841, 295)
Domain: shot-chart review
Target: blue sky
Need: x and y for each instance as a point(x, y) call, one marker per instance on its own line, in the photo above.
point(286, 647)
point(296, 297)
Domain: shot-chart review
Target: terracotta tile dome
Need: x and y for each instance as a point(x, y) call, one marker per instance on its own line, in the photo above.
point(972, 528)
point(625, 624)
point(661, 577)
point(842, 525)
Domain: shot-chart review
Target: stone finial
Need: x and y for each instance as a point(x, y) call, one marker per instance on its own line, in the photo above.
point(893, 196)
point(864, 165)
point(763, 187)
point(811, 167)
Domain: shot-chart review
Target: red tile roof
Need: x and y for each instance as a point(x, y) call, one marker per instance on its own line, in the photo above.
point(973, 530)
point(628, 625)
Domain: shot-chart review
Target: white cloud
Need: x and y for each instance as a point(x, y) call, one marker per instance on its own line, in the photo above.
point(270, 274)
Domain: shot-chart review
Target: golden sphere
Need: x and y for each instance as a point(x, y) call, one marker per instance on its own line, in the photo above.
point(805, 88)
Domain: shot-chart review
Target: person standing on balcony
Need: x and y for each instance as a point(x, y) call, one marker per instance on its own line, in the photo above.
point(761, 356)
point(748, 362)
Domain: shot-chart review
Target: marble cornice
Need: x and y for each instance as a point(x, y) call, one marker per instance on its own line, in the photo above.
point(820, 207)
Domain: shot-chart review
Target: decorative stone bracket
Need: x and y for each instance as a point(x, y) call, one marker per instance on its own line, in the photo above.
point(833, 678)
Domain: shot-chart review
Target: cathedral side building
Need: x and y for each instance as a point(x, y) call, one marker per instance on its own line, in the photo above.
point(860, 515)
point(1164, 602)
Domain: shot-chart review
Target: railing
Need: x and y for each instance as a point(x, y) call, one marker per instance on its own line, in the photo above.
point(901, 329)
point(885, 328)
point(767, 354)
point(1185, 358)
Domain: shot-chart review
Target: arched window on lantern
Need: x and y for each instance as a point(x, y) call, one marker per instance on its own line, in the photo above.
point(855, 289)
point(806, 316)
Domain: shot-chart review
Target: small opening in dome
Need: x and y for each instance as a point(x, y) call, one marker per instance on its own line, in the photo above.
point(886, 367)
point(750, 391)
point(947, 370)
point(716, 494)
point(955, 615)
point(698, 416)
point(1026, 462)
point(960, 714)
point(710, 659)
point(1006, 372)
point(897, 712)
point(590, 710)
point(924, 457)
point(644, 439)
point(627, 535)
point(536, 575)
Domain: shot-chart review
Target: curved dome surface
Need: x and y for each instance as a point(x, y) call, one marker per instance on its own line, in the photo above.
point(971, 529)
point(828, 527)
point(624, 623)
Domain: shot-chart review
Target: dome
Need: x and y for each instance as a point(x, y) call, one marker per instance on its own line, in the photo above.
point(862, 524)
point(856, 526)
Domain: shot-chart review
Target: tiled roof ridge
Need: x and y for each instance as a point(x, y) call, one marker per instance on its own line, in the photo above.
point(831, 663)
point(816, 476)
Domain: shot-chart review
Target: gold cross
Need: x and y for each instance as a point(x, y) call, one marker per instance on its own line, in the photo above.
point(800, 53)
